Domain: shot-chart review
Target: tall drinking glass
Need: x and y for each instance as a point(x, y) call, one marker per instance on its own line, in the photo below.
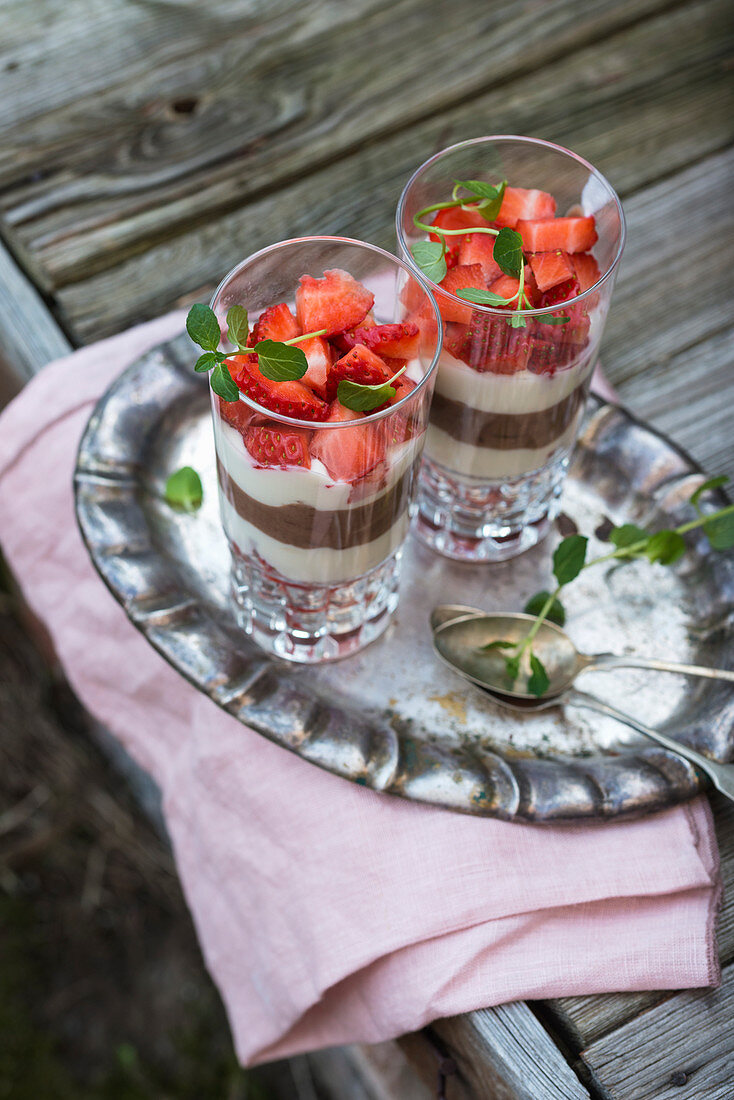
point(316, 512)
point(508, 400)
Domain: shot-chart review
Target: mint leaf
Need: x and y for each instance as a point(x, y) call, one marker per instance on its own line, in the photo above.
point(536, 603)
point(238, 328)
point(720, 531)
point(482, 297)
point(507, 252)
point(203, 327)
point(712, 483)
point(429, 255)
point(516, 320)
point(626, 535)
point(497, 645)
point(222, 384)
point(512, 669)
point(539, 682)
point(665, 547)
point(546, 319)
point(208, 360)
point(279, 362)
point(361, 398)
point(491, 195)
point(184, 490)
point(568, 559)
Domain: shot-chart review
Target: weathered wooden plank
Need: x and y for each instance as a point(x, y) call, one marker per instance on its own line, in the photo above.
point(265, 107)
point(683, 1049)
point(505, 1054)
point(356, 196)
point(682, 392)
point(29, 336)
point(584, 1020)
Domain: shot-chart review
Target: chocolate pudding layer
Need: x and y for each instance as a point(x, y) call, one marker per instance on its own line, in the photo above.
point(308, 528)
point(505, 431)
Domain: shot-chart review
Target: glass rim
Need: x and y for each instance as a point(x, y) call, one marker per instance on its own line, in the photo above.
point(493, 311)
point(318, 425)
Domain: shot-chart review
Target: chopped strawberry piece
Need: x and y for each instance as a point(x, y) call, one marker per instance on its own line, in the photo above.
point(456, 218)
point(586, 269)
point(358, 365)
point(530, 289)
point(287, 398)
point(506, 286)
point(465, 275)
point(520, 203)
point(550, 234)
point(563, 292)
point(551, 268)
point(236, 413)
point(394, 341)
point(347, 453)
point(403, 386)
point(454, 335)
point(274, 445)
point(335, 303)
point(492, 345)
point(477, 249)
point(275, 323)
point(320, 355)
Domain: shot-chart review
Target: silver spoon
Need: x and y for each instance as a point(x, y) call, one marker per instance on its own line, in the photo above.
point(463, 661)
point(471, 629)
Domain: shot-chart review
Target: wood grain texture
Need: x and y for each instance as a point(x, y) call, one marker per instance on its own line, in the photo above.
point(357, 194)
point(29, 336)
point(683, 1049)
point(117, 163)
point(506, 1054)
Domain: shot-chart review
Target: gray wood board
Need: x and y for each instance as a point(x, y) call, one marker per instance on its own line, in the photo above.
point(117, 162)
point(29, 336)
point(682, 1049)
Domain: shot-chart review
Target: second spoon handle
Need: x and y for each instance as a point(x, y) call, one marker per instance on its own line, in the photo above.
point(721, 775)
point(603, 661)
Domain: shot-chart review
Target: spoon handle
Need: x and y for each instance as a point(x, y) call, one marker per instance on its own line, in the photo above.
point(609, 660)
point(721, 775)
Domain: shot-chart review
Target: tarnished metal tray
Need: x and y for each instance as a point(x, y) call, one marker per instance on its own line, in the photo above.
point(394, 718)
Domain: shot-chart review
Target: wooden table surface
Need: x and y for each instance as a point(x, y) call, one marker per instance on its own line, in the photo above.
point(147, 147)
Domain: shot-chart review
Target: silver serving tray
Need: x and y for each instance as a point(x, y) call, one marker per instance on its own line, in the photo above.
point(394, 718)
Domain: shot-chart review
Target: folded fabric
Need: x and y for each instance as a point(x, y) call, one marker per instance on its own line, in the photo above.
point(329, 913)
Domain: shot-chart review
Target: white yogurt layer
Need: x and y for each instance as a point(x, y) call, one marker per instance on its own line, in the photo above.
point(314, 487)
point(490, 463)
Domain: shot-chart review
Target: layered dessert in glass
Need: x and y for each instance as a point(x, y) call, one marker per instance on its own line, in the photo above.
point(317, 473)
point(524, 240)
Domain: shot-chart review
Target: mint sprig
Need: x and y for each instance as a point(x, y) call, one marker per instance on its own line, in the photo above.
point(430, 257)
point(277, 360)
point(630, 542)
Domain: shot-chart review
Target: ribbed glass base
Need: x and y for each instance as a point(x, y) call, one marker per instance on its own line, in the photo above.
point(312, 623)
point(470, 520)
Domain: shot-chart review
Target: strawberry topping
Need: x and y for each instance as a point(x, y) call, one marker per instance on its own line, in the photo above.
point(551, 268)
point(348, 453)
point(395, 341)
point(460, 277)
point(287, 398)
point(518, 203)
point(274, 445)
point(550, 234)
point(335, 303)
point(275, 323)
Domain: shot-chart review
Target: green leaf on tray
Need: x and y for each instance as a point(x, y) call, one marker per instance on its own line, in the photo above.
point(536, 603)
point(665, 547)
point(223, 385)
point(507, 252)
point(712, 483)
point(203, 327)
point(279, 362)
point(429, 256)
point(184, 490)
point(569, 557)
point(538, 682)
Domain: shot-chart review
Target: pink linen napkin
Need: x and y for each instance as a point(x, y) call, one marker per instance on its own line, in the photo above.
point(329, 913)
